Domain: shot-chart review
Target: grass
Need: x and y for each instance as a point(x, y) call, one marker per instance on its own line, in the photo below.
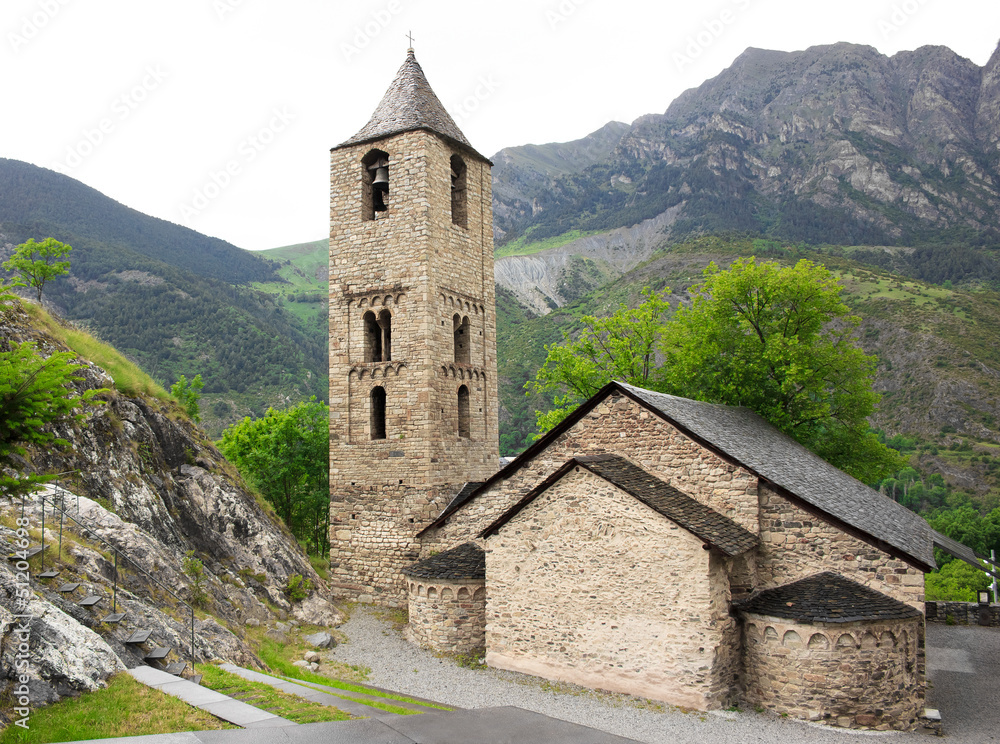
point(128, 376)
point(265, 697)
point(321, 565)
point(277, 656)
point(125, 708)
point(525, 246)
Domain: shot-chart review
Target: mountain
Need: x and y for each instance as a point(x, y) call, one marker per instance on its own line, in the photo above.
point(175, 301)
point(835, 144)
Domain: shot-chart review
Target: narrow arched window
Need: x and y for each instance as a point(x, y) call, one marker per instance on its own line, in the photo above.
point(463, 412)
point(385, 326)
point(374, 183)
point(463, 353)
point(373, 338)
point(459, 209)
point(378, 413)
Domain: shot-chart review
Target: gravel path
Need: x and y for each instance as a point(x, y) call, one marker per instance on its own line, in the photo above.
point(398, 665)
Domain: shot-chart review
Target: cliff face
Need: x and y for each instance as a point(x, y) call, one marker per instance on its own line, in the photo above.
point(151, 485)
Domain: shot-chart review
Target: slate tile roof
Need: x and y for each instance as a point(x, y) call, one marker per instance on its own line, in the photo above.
point(464, 494)
point(777, 458)
point(746, 439)
point(960, 551)
point(702, 521)
point(466, 562)
point(829, 598)
point(410, 104)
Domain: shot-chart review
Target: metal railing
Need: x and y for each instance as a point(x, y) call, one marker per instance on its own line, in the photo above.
point(90, 531)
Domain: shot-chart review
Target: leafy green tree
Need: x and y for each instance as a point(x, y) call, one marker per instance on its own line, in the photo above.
point(957, 581)
point(779, 341)
point(188, 394)
point(969, 527)
point(37, 263)
point(286, 455)
point(35, 391)
point(619, 347)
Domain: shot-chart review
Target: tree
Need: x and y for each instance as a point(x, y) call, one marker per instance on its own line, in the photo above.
point(285, 455)
point(36, 263)
point(188, 395)
point(779, 341)
point(35, 391)
point(957, 581)
point(619, 347)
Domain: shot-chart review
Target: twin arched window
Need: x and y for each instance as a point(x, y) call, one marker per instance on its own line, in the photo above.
point(375, 186)
point(374, 183)
point(378, 336)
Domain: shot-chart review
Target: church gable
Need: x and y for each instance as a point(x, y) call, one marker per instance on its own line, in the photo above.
point(617, 425)
point(588, 584)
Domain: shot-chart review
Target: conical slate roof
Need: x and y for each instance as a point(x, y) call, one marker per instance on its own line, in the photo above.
point(409, 104)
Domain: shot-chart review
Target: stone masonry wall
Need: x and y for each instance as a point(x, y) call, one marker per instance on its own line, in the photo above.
point(590, 586)
point(447, 616)
point(413, 262)
point(373, 537)
point(855, 675)
point(618, 425)
point(794, 544)
point(961, 613)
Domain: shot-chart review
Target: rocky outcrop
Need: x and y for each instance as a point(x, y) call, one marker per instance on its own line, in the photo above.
point(139, 478)
point(548, 279)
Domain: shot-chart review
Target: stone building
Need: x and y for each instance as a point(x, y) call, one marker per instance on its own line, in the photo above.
point(413, 389)
point(682, 551)
point(692, 553)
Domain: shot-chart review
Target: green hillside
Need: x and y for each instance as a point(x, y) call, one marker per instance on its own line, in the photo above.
point(172, 300)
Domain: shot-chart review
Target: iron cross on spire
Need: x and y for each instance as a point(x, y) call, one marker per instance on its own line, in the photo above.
point(409, 36)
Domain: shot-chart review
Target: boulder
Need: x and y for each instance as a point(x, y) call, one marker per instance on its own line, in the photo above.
point(314, 610)
point(276, 635)
point(321, 639)
point(311, 656)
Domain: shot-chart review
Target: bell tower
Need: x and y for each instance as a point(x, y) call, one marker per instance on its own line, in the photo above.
point(413, 388)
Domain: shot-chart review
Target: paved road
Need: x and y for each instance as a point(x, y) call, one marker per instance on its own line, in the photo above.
point(963, 671)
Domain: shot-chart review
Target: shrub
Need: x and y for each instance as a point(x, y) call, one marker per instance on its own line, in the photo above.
point(297, 588)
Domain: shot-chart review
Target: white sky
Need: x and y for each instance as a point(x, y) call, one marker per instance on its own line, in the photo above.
point(186, 87)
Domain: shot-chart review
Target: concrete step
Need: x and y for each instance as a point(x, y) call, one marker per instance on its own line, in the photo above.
point(219, 705)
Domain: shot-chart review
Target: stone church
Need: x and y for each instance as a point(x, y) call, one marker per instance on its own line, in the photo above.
point(677, 550)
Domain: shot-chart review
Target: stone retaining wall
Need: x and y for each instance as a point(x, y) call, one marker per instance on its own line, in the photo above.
point(962, 613)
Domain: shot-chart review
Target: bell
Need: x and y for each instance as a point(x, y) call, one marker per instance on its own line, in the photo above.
point(381, 180)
